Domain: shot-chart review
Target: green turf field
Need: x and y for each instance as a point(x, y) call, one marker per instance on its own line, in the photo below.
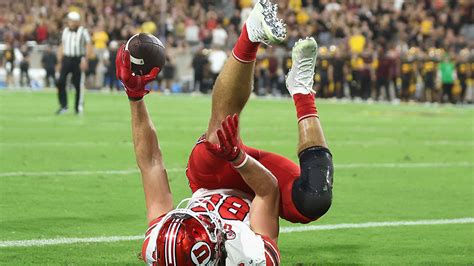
point(75, 177)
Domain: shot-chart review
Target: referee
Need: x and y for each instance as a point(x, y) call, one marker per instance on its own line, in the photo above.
point(75, 46)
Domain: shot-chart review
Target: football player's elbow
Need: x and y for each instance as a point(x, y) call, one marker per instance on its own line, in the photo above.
point(271, 190)
point(151, 166)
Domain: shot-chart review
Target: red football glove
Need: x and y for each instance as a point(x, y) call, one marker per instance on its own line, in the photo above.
point(229, 147)
point(134, 85)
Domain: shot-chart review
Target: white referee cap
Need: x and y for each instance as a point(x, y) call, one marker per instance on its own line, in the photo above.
point(74, 16)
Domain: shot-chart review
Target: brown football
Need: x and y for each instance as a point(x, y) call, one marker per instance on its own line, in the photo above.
point(146, 52)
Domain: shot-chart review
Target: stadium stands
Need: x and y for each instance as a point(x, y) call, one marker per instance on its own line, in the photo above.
point(368, 49)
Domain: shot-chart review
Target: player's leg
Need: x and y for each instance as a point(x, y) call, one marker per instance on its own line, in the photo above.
point(450, 93)
point(463, 84)
point(230, 94)
point(77, 82)
point(387, 90)
point(404, 90)
point(338, 89)
point(235, 82)
point(312, 191)
point(62, 94)
point(306, 190)
point(428, 89)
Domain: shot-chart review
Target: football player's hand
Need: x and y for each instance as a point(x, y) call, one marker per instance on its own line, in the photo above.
point(134, 84)
point(229, 147)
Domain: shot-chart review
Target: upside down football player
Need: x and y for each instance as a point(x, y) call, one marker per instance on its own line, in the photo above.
point(238, 191)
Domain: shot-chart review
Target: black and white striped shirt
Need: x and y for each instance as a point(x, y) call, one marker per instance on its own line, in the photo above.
point(74, 42)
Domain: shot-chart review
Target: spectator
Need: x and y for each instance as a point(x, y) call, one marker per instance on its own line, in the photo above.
point(333, 6)
point(383, 74)
point(408, 75)
point(428, 72)
point(167, 75)
point(149, 27)
point(338, 72)
point(217, 59)
point(9, 59)
point(91, 73)
point(219, 36)
point(25, 66)
point(394, 55)
point(447, 74)
point(357, 42)
point(192, 33)
point(322, 73)
point(356, 65)
point(260, 76)
point(41, 32)
point(366, 75)
point(272, 80)
point(245, 4)
point(232, 37)
point(49, 62)
point(357, 26)
point(109, 61)
point(200, 65)
point(462, 71)
point(100, 38)
point(236, 19)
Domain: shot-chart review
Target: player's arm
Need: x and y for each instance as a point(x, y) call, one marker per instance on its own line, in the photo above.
point(147, 150)
point(264, 210)
point(150, 161)
point(59, 55)
point(60, 51)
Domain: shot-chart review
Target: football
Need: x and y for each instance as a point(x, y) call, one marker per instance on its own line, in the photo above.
point(146, 52)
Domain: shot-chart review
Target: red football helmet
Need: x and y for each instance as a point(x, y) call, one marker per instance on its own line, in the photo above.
point(190, 237)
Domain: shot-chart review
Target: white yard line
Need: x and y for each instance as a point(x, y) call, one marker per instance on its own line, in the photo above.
point(374, 142)
point(306, 228)
point(80, 173)
point(405, 165)
point(65, 240)
point(175, 170)
point(283, 230)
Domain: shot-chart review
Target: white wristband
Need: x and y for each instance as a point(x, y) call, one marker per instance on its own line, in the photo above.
point(243, 162)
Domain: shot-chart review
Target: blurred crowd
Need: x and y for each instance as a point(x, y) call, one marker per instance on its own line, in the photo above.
point(369, 49)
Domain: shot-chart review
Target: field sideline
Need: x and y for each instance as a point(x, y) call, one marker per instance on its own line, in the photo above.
point(408, 170)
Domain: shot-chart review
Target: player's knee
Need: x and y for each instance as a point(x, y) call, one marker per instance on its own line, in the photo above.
point(312, 192)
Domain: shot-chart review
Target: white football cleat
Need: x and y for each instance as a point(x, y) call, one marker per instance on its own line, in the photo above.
point(264, 26)
point(300, 79)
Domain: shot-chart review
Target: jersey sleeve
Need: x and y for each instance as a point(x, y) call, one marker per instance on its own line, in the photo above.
point(272, 253)
point(244, 247)
point(148, 253)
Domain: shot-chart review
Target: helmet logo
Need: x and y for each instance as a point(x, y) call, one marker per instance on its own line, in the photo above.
point(229, 235)
point(201, 253)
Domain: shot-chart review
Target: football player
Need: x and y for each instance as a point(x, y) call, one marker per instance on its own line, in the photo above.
point(232, 217)
point(306, 189)
point(214, 227)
